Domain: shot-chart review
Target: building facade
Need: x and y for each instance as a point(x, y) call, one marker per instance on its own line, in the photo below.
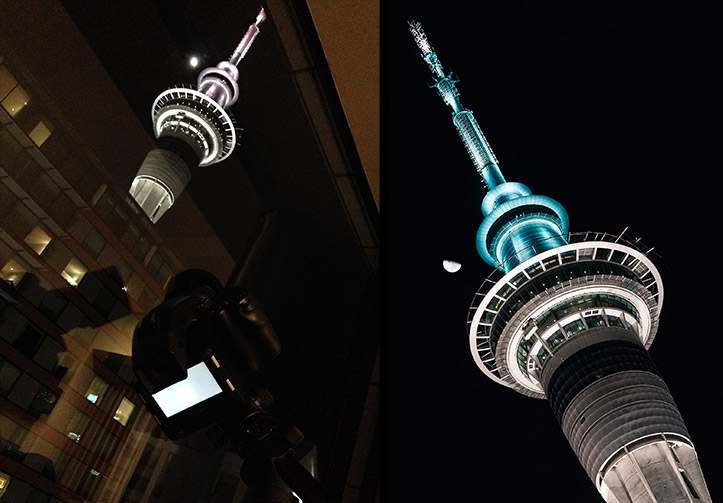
point(79, 267)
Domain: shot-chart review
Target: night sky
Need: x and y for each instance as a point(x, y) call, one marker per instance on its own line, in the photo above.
point(613, 109)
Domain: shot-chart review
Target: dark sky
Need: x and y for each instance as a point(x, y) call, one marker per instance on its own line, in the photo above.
point(613, 109)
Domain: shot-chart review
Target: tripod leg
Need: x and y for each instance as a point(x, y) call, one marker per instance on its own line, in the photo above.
point(264, 484)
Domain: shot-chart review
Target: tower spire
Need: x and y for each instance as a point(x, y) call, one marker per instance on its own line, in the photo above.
point(518, 224)
point(469, 131)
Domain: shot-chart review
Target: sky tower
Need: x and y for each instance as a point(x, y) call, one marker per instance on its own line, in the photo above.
point(569, 317)
point(192, 128)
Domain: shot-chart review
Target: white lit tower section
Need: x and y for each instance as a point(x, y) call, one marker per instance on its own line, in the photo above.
point(193, 129)
point(569, 318)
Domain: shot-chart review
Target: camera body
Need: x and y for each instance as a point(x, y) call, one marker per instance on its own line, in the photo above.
point(195, 354)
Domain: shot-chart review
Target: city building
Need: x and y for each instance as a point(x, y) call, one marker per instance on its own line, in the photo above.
point(568, 317)
point(291, 215)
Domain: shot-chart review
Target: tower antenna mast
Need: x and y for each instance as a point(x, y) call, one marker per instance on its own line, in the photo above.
point(475, 142)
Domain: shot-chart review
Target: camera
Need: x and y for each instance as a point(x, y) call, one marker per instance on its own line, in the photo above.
point(195, 354)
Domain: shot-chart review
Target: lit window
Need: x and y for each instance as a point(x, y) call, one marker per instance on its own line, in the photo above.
point(40, 133)
point(74, 271)
point(125, 409)
point(75, 437)
point(38, 239)
point(15, 101)
point(13, 271)
point(96, 389)
point(4, 482)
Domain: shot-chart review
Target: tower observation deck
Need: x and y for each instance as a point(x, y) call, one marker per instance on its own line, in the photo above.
point(568, 317)
point(193, 128)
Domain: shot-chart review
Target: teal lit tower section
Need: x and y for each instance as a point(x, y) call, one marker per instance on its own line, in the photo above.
point(517, 224)
point(569, 317)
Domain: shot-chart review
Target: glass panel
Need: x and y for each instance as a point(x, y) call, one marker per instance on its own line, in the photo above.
point(38, 239)
point(615, 321)
point(542, 355)
point(555, 339)
point(94, 242)
point(15, 101)
point(40, 133)
point(534, 269)
point(29, 340)
point(48, 353)
point(96, 390)
point(12, 324)
point(568, 256)
point(74, 271)
point(124, 411)
point(9, 373)
point(4, 482)
point(551, 262)
point(23, 391)
point(104, 301)
point(13, 271)
point(518, 280)
point(43, 402)
point(595, 321)
point(53, 304)
point(574, 327)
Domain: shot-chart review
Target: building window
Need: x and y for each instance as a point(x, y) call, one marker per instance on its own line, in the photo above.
point(13, 271)
point(38, 239)
point(4, 482)
point(40, 133)
point(43, 402)
point(9, 373)
point(15, 101)
point(555, 339)
point(96, 390)
point(74, 271)
point(48, 355)
point(125, 409)
point(53, 304)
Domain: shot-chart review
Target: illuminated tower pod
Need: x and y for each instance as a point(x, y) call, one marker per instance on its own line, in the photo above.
point(192, 128)
point(569, 318)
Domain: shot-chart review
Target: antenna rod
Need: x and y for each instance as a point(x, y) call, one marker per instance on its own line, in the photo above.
point(248, 39)
point(469, 131)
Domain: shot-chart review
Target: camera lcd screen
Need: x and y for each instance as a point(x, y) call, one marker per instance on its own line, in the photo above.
point(197, 387)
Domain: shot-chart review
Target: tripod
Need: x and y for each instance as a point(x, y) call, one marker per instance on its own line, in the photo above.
point(269, 459)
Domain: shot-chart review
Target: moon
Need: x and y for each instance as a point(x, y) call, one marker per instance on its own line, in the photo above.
point(451, 266)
